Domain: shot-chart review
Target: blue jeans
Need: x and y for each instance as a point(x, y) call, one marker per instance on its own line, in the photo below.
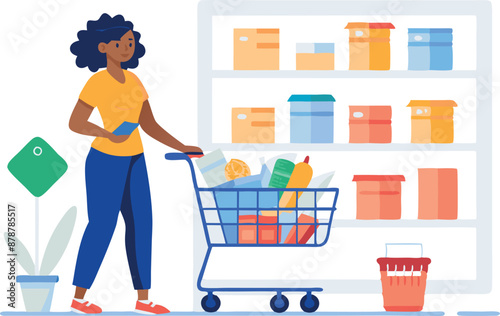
point(116, 184)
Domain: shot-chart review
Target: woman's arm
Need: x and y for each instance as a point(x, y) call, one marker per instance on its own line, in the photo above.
point(153, 129)
point(79, 123)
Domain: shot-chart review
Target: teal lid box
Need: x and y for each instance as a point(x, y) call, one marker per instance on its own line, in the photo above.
point(311, 118)
point(430, 49)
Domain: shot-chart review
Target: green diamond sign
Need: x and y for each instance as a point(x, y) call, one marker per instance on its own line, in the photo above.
point(37, 166)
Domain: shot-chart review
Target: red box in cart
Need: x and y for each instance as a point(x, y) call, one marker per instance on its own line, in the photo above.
point(378, 196)
point(268, 234)
point(370, 124)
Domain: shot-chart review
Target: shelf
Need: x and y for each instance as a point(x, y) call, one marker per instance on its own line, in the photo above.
point(342, 74)
point(404, 223)
point(341, 147)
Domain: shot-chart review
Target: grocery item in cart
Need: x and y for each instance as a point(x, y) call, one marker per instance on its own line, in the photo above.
point(228, 201)
point(378, 196)
point(305, 200)
point(256, 49)
point(300, 178)
point(212, 166)
point(311, 118)
point(270, 164)
point(322, 181)
point(266, 232)
point(369, 46)
point(437, 193)
point(315, 56)
point(282, 172)
point(430, 49)
point(236, 168)
point(432, 121)
point(304, 232)
point(370, 124)
point(403, 283)
point(253, 125)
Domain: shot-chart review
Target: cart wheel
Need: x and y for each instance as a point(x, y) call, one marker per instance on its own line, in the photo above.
point(309, 304)
point(279, 306)
point(210, 304)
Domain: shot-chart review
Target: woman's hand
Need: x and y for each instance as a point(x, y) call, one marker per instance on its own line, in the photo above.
point(117, 139)
point(191, 149)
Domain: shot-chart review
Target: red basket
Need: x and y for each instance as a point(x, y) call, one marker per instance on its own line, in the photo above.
point(403, 293)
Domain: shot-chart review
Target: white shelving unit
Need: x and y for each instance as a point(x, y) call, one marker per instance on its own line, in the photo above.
point(481, 148)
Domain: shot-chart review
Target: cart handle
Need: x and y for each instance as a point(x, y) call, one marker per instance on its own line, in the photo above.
point(183, 156)
point(176, 156)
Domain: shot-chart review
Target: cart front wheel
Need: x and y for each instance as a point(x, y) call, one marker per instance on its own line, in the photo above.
point(309, 304)
point(210, 303)
point(279, 305)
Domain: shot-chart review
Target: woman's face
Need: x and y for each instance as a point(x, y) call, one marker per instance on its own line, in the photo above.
point(120, 51)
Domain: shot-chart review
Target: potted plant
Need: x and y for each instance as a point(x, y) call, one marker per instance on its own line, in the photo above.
point(38, 166)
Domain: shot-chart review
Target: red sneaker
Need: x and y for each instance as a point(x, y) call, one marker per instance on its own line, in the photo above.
point(85, 308)
point(143, 308)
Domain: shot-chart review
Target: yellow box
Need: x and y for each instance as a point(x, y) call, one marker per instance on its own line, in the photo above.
point(432, 121)
point(253, 125)
point(369, 46)
point(256, 49)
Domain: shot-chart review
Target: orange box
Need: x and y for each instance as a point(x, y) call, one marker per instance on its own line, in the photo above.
point(378, 196)
point(321, 61)
point(256, 49)
point(268, 234)
point(370, 124)
point(369, 46)
point(432, 121)
point(253, 125)
point(437, 193)
point(315, 56)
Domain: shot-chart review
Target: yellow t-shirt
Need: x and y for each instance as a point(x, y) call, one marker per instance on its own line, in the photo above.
point(117, 102)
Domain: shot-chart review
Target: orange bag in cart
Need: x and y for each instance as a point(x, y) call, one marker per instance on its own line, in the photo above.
point(403, 283)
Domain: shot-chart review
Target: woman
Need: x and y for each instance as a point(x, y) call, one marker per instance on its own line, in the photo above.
point(115, 170)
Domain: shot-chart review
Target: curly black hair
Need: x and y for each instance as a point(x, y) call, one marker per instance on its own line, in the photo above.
point(104, 30)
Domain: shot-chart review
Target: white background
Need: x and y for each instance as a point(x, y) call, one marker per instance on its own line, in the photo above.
point(40, 85)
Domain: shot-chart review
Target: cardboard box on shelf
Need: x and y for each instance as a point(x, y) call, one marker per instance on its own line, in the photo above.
point(378, 196)
point(253, 125)
point(256, 49)
point(432, 121)
point(369, 46)
point(315, 56)
point(311, 118)
point(370, 124)
point(437, 193)
point(430, 49)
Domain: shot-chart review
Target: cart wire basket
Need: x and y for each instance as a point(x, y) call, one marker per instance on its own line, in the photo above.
point(252, 217)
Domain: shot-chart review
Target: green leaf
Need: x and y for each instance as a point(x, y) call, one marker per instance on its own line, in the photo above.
point(58, 242)
point(23, 256)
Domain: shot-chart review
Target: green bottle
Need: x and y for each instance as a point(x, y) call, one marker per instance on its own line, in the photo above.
point(281, 174)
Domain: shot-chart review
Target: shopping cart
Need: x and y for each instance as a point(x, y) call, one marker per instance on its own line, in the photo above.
point(239, 224)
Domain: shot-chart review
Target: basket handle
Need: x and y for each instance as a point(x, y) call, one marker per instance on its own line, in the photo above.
point(405, 244)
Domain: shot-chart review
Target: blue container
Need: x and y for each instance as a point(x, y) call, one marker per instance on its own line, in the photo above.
point(311, 118)
point(430, 49)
